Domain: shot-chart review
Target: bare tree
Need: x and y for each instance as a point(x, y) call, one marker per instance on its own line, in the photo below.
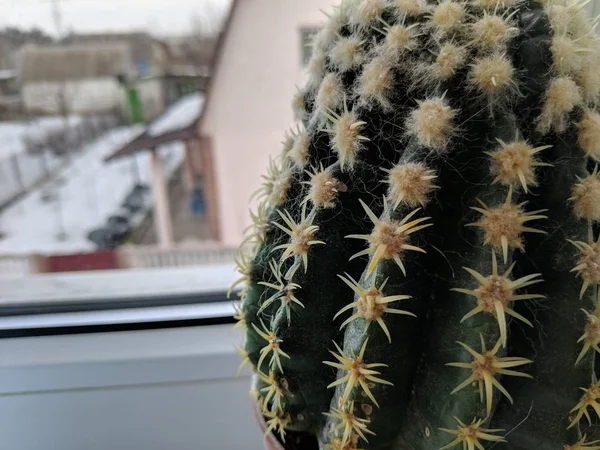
point(207, 23)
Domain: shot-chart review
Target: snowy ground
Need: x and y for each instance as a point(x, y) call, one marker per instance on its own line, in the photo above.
point(12, 133)
point(85, 193)
point(18, 169)
point(31, 169)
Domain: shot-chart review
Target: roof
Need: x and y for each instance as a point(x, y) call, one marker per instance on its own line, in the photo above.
point(218, 56)
point(181, 115)
point(140, 43)
point(176, 123)
point(75, 62)
point(191, 50)
point(145, 141)
point(8, 74)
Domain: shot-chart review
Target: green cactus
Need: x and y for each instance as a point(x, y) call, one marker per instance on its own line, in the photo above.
point(423, 271)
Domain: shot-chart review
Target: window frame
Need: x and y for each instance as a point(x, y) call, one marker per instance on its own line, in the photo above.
point(306, 33)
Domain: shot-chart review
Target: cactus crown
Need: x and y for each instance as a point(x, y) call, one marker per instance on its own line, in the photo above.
point(424, 271)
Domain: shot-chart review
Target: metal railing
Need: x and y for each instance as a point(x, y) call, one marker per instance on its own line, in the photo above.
point(17, 265)
point(133, 257)
point(153, 257)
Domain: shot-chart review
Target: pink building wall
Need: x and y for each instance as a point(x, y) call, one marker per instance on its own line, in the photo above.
point(250, 101)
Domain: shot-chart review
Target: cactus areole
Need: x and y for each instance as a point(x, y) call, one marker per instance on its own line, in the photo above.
point(422, 271)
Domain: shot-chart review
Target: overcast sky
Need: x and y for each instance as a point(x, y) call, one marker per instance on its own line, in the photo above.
point(162, 17)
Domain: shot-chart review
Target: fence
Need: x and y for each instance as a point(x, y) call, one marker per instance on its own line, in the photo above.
point(123, 258)
point(60, 136)
point(17, 265)
point(149, 257)
point(45, 148)
point(20, 172)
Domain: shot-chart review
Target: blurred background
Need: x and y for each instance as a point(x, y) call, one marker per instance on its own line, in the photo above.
point(132, 136)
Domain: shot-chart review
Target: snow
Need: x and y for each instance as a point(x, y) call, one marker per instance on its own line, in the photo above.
point(22, 167)
point(178, 116)
point(7, 74)
point(12, 133)
point(12, 154)
point(83, 195)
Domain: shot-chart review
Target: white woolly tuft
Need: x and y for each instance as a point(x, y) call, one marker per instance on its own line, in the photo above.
point(585, 197)
point(324, 189)
point(325, 38)
point(491, 33)
point(288, 142)
point(411, 8)
point(347, 53)
point(448, 17)
point(589, 133)
point(450, 58)
point(346, 139)
point(569, 19)
point(432, 123)
point(410, 184)
point(495, 5)
point(581, 26)
point(560, 18)
point(367, 13)
point(376, 82)
point(298, 154)
point(493, 77)
point(588, 79)
point(316, 69)
point(299, 105)
point(399, 39)
point(562, 95)
point(566, 55)
point(329, 97)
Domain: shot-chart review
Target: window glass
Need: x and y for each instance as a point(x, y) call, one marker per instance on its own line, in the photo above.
point(306, 38)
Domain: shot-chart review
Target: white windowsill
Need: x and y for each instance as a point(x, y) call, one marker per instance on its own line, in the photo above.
point(115, 284)
point(119, 316)
point(173, 389)
point(97, 360)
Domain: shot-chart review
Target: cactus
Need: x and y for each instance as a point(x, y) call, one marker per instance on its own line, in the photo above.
point(423, 272)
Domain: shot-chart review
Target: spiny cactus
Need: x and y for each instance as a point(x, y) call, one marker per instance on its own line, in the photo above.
point(424, 271)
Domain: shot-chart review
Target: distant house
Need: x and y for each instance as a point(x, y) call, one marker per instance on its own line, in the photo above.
point(189, 65)
point(7, 54)
point(10, 98)
point(260, 59)
point(147, 54)
point(167, 69)
point(74, 79)
point(150, 61)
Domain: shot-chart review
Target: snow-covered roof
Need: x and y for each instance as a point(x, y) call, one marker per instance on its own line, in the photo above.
point(177, 123)
point(180, 115)
point(8, 74)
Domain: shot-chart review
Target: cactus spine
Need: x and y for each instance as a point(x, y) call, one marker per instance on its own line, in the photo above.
point(424, 273)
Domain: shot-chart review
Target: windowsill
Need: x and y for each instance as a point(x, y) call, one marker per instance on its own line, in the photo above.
point(153, 389)
point(138, 357)
point(176, 313)
point(114, 289)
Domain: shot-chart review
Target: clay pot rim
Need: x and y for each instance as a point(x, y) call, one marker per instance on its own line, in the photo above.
point(271, 442)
